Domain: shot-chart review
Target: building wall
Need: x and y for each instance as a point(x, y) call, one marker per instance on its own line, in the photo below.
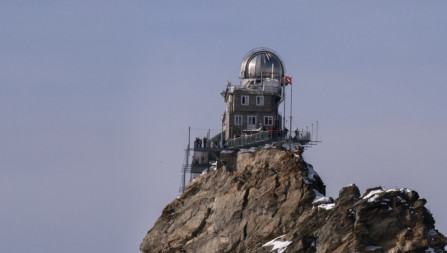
point(235, 107)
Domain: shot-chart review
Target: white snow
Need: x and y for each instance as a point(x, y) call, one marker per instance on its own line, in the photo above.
point(312, 172)
point(251, 150)
point(372, 248)
point(325, 201)
point(318, 195)
point(327, 206)
point(405, 190)
point(280, 246)
point(373, 195)
point(213, 166)
point(267, 146)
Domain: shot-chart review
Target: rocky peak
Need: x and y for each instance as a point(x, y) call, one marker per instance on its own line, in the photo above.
point(271, 200)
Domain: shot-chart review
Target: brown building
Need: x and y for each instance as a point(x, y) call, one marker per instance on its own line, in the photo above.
point(253, 105)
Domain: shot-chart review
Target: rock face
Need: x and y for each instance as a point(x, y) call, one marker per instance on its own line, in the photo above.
point(271, 200)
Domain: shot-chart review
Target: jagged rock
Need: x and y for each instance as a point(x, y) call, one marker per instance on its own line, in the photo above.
point(348, 194)
point(272, 199)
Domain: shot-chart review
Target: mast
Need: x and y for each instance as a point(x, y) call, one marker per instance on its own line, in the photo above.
point(187, 156)
point(290, 119)
point(284, 101)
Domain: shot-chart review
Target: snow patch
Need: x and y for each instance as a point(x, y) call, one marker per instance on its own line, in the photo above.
point(327, 206)
point(405, 190)
point(318, 195)
point(251, 150)
point(322, 201)
point(267, 146)
point(312, 172)
point(373, 195)
point(213, 166)
point(372, 248)
point(280, 246)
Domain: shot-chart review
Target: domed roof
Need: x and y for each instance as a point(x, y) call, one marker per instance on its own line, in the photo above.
point(262, 62)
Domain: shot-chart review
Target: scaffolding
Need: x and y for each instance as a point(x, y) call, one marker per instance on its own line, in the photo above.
point(205, 153)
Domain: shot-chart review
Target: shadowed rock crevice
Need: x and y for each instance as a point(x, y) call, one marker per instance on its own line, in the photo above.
point(274, 194)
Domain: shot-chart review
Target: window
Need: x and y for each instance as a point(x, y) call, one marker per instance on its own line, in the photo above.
point(237, 120)
point(259, 100)
point(251, 120)
point(244, 100)
point(268, 120)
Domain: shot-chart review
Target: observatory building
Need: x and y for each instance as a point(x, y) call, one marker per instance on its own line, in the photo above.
point(251, 118)
point(253, 106)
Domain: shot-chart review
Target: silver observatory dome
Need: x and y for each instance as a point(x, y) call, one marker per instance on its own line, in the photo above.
point(262, 63)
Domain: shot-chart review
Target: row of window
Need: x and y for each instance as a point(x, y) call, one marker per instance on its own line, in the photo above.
point(245, 100)
point(251, 120)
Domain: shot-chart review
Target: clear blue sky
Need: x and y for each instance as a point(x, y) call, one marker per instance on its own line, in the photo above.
point(96, 98)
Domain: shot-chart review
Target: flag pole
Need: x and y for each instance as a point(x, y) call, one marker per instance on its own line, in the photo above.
point(284, 113)
point(290, 123)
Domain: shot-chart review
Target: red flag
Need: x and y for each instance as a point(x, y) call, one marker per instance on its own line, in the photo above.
point(288, 80)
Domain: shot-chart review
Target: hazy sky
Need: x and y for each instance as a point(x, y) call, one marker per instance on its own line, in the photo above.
point(96, 98)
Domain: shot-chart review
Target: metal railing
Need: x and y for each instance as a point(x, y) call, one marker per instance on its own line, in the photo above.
point(266, 136)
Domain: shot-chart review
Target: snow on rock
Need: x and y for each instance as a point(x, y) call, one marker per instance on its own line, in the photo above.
point(327, 206)
point(372, 248)
point(280, 246)
point(318, 196)
point(373, 195)
point(250, 150)
point(322, 201)
point(312, 172)
point(213, 166)
point(267, 146)
point(405, 190)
